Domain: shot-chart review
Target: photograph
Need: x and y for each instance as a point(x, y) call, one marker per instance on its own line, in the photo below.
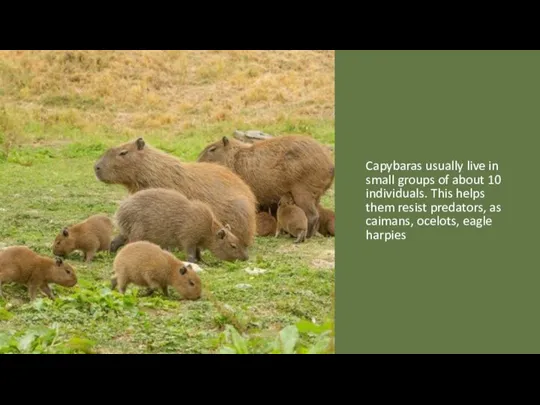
point(167, 201)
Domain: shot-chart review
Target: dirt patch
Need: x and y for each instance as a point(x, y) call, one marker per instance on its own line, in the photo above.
point(323, 264)
point(319, 259)
point(325, 260)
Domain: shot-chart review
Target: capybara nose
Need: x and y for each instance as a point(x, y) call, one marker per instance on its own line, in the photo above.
point(96, 168)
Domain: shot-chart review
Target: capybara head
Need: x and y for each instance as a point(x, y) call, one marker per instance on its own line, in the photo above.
point(220, 151)
point(64, 243)
point(117, 242)
point(327, 222)
point(331, 226)
point(227, 246)
point(119, 165)
point(63, 273)
point(188, 282)
point(286, 199)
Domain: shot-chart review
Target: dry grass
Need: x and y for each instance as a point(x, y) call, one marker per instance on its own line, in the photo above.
point(170, 90)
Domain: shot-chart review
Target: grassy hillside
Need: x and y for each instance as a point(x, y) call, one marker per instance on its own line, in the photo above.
point(62, 95)
point(59, 110)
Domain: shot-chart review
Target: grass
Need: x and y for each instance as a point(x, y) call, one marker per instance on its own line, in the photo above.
point(61, 110)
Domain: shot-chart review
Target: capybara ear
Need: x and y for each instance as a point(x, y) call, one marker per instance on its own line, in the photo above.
point(189, 267)
point(59, 261)
point(228, 227)
point(183, 269)
point(140, 143)
point(221, 233)
point(65, 232)
point(225, 141)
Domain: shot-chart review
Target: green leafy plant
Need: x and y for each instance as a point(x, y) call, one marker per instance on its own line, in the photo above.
point(5, 315)
point(42, 340)
point(293, 339)
point(93, 299)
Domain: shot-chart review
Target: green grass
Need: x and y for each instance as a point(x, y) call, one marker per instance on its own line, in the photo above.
point(49, 184)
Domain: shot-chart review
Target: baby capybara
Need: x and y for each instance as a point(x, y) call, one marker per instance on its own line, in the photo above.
point(138, 166)
point(147, 265)
point(274, 167)
point(90, 236)
point(167, 218)
point(266, 223)
point(291, 219)
point(327, 221)
point(19, 264)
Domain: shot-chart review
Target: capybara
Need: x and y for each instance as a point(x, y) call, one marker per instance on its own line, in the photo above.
point(167, 218)
point(266, 223)
point(139, 166)
point(327, 221)
point(117, 242)
point(90, 236)
point(20, 264)
point(274, 167)
point(291, 219)
point(145, 264)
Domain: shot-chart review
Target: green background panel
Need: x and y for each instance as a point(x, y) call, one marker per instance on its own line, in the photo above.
point(442, 290)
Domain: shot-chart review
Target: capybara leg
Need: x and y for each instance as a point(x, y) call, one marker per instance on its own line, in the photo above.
point(151, 289)
point(117, 242)
point(198, 254)
point(88, 256)
point(114, 282)
point(45, 288)
point(278, 232)
point(165, 290)
point(146, 292)
point(192, 254)
point(301, 237)
point(304, 199)
point(32, 291)
point(122, 284)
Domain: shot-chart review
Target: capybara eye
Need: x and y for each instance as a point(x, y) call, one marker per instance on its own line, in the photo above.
point(191, 283)
point(124, 152)
point(233, 245)
point(68, 272)
point(213, 148)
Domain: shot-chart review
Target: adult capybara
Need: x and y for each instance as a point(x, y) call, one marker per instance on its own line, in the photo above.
point(89, 236)
point(327, 221)
point(273, 167)
point(266, 223)
point(139, 166)
point(20, 264)
point(167, 218)
point(146, 264)
point(291, 219)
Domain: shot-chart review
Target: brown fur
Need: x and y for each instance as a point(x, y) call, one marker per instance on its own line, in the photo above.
point(146, 264)
point(90, 236)
point(138, 166)
point(19, 264)
point(266, 223)
point(274, 167)
point(327, 221)
point(291, 219)
point(167, 218)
